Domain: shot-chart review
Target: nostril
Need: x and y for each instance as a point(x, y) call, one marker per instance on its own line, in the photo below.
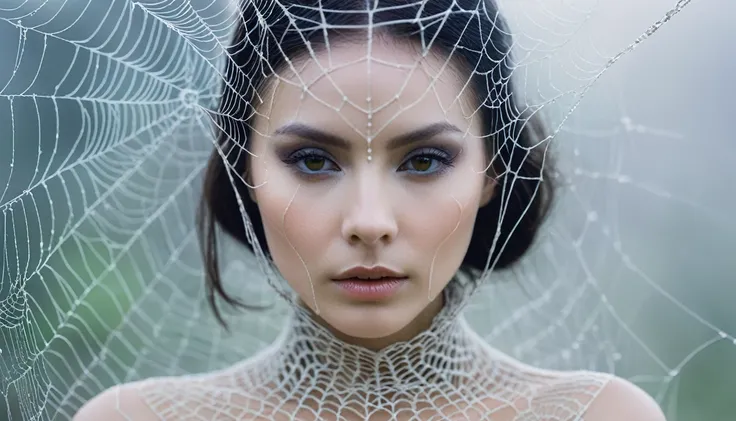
point(368, 239)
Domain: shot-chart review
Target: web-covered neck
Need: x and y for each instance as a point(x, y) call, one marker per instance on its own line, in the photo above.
point(309, 353)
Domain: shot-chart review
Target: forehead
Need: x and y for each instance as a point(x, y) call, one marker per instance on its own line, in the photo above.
point(368, 87)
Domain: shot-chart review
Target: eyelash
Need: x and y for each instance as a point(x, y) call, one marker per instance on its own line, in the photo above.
point(443, 158)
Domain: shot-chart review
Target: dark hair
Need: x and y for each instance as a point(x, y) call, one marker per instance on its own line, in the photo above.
point(270, 33)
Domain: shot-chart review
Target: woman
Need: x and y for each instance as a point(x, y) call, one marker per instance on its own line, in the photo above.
point(373, 156)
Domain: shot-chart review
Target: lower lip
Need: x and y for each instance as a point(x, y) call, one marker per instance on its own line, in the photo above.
point(371, 289)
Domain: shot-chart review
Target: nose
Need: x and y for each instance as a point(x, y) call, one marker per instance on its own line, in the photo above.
point(370, 217)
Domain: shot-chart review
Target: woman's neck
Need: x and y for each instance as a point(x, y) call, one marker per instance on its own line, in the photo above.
point(434, 349)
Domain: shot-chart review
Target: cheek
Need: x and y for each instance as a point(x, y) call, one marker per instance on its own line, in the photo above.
point(440, 232)
point(297, 227)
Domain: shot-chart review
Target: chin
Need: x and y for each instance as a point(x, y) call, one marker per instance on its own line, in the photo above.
point(368, 321)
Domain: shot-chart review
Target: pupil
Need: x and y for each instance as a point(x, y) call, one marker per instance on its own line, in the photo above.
point(314, 164)
point(422, 163)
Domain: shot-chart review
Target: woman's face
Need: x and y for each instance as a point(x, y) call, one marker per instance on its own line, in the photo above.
point(327, 208)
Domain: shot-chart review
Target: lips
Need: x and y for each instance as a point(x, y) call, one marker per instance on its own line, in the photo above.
point(373, 290)
point(375, 273)
point(381, 279)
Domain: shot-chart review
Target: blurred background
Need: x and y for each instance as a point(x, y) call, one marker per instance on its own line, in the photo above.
point(104, 134)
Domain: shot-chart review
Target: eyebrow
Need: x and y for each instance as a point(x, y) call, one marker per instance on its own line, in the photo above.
point(304, 131)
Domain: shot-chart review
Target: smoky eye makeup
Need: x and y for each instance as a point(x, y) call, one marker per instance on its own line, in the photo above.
point(426, 159)
point(311, 161)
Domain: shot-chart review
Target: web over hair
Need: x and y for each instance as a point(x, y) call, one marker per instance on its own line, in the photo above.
point(109, 113)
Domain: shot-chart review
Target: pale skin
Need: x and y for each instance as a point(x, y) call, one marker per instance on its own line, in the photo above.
point(401, 209)
point(378, 212)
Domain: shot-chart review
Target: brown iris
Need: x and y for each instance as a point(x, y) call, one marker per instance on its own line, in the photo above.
point(314, 163)
point(421, 163)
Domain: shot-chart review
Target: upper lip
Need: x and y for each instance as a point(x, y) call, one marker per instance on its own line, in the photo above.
point(375, 272)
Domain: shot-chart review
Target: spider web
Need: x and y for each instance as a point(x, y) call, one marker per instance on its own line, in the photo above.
point(106, 129)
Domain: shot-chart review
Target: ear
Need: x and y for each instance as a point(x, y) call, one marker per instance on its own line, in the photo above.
point(489, 188)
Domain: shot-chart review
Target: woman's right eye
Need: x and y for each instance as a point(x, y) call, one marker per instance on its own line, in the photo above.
point(311, 162)
point(314, 163)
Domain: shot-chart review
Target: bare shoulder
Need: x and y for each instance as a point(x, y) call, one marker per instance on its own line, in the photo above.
point(118, 403)
point(622, 400)
point(171, 398)
point(604, 397)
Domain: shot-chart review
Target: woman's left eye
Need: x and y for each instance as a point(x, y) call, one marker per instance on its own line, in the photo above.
point(422, 163)
point(427, 162)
